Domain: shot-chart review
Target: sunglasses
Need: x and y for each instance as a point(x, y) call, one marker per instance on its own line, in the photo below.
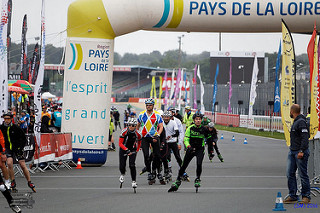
point(149, 105)
point(133, 125)
point(7, 118)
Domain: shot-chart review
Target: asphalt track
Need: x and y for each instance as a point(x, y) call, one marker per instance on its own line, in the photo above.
point(248, 181)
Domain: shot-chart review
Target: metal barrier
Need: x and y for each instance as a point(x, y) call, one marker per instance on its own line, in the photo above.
point(314, 161)
point(314, 166)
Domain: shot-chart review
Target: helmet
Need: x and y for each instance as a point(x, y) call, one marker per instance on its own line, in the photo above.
point(8, 113)
point(197, 114)
point(160, 112)
point(188, 107)
point(132, 121)
point(172, 109)
point(167, 114)
point(132, 114)
point(149, 101)
point(211, 124)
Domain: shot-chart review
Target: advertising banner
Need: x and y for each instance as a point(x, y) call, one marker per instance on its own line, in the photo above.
point(287, 96)
point(3, 59)
point(53, 147)
point(183, 84)
point(253, 92)
point(87, 86)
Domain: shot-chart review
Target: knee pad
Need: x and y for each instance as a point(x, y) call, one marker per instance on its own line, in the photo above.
point(3, 188)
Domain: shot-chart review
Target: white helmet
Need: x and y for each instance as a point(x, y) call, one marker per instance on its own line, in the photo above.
point(160, 112)
point(132, 121)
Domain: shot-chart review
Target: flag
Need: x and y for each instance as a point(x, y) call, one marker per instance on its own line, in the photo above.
point(153, 92)
point(288, 83)
point(180, 89)
point(276, 106)
point(201, 91)
point(24, 61)
point(194, 81)
point(310, 51)
point(34, 67)
point(318, 82)
point(160, 92)
point(230, 87)
point(166, 89)
point(9, 31)
point(253, 92)
point(171, 88)
point(215, 88)
point(176, 89)
point(39, 82)
point(314, 121)
point(185, 89)
point(3, 58)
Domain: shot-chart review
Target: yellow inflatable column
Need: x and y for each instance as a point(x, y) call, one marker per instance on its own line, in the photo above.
point(88, 80)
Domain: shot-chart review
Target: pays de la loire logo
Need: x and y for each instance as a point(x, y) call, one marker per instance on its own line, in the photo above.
point(77, 56)
point(176, 15)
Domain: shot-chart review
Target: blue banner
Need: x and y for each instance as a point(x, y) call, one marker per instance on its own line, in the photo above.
point(276, 106)
point(185, 88)
point(215, 88)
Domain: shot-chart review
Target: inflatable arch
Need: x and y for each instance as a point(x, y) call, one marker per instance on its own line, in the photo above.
point(93, 25)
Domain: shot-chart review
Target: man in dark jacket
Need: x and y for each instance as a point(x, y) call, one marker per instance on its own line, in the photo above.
point(15, 141)
point(298, 157)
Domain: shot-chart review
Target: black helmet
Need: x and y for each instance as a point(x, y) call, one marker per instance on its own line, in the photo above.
point(8, 113)
point(197, 114)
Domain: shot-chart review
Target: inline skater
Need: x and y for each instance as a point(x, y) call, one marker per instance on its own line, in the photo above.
point(129, 143)
point(172, 133)
point(152, 126)
point(194, 140)
point(213, 138)
point(15, 141)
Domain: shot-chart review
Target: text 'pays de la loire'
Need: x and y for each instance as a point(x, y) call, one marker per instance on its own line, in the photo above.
point(102, 65)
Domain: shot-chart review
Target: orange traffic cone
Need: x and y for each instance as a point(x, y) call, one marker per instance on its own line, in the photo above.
point(79, 164)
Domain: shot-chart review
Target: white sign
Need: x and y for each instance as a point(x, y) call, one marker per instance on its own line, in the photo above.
point(87, 91)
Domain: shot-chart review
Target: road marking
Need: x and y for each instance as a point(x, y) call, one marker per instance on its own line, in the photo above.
point(115, 176)
point(164, 188)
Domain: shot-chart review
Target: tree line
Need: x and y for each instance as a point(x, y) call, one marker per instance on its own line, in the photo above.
point(168, 59)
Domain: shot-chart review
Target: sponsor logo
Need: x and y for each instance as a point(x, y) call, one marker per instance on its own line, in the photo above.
point(77, 56)
point(176, 16)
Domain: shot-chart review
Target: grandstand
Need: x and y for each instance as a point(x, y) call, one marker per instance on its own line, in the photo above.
point(132, 81)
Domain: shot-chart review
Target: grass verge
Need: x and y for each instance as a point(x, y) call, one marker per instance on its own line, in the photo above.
point(242, 130)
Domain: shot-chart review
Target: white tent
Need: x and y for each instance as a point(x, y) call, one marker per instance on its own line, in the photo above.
point(47, 95)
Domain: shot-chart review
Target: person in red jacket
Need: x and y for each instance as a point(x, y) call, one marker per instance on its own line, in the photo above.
point(129, 143)
point(3, 159)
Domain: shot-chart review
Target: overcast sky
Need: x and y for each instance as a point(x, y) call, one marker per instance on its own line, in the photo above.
point(143, 41)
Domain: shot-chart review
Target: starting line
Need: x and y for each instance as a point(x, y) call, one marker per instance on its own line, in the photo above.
point(117, 176)
point(166, 188)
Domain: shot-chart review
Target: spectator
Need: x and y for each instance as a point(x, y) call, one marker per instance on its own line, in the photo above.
point(56, 118)
point(24, 121)
point(298, 157)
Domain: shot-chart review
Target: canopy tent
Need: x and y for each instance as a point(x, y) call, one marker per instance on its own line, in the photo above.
point(47, 95)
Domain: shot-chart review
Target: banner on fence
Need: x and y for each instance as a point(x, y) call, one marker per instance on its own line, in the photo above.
point(54, 147)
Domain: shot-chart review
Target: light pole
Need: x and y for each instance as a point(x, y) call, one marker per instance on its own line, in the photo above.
point(180, 52)
point(241, 67)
